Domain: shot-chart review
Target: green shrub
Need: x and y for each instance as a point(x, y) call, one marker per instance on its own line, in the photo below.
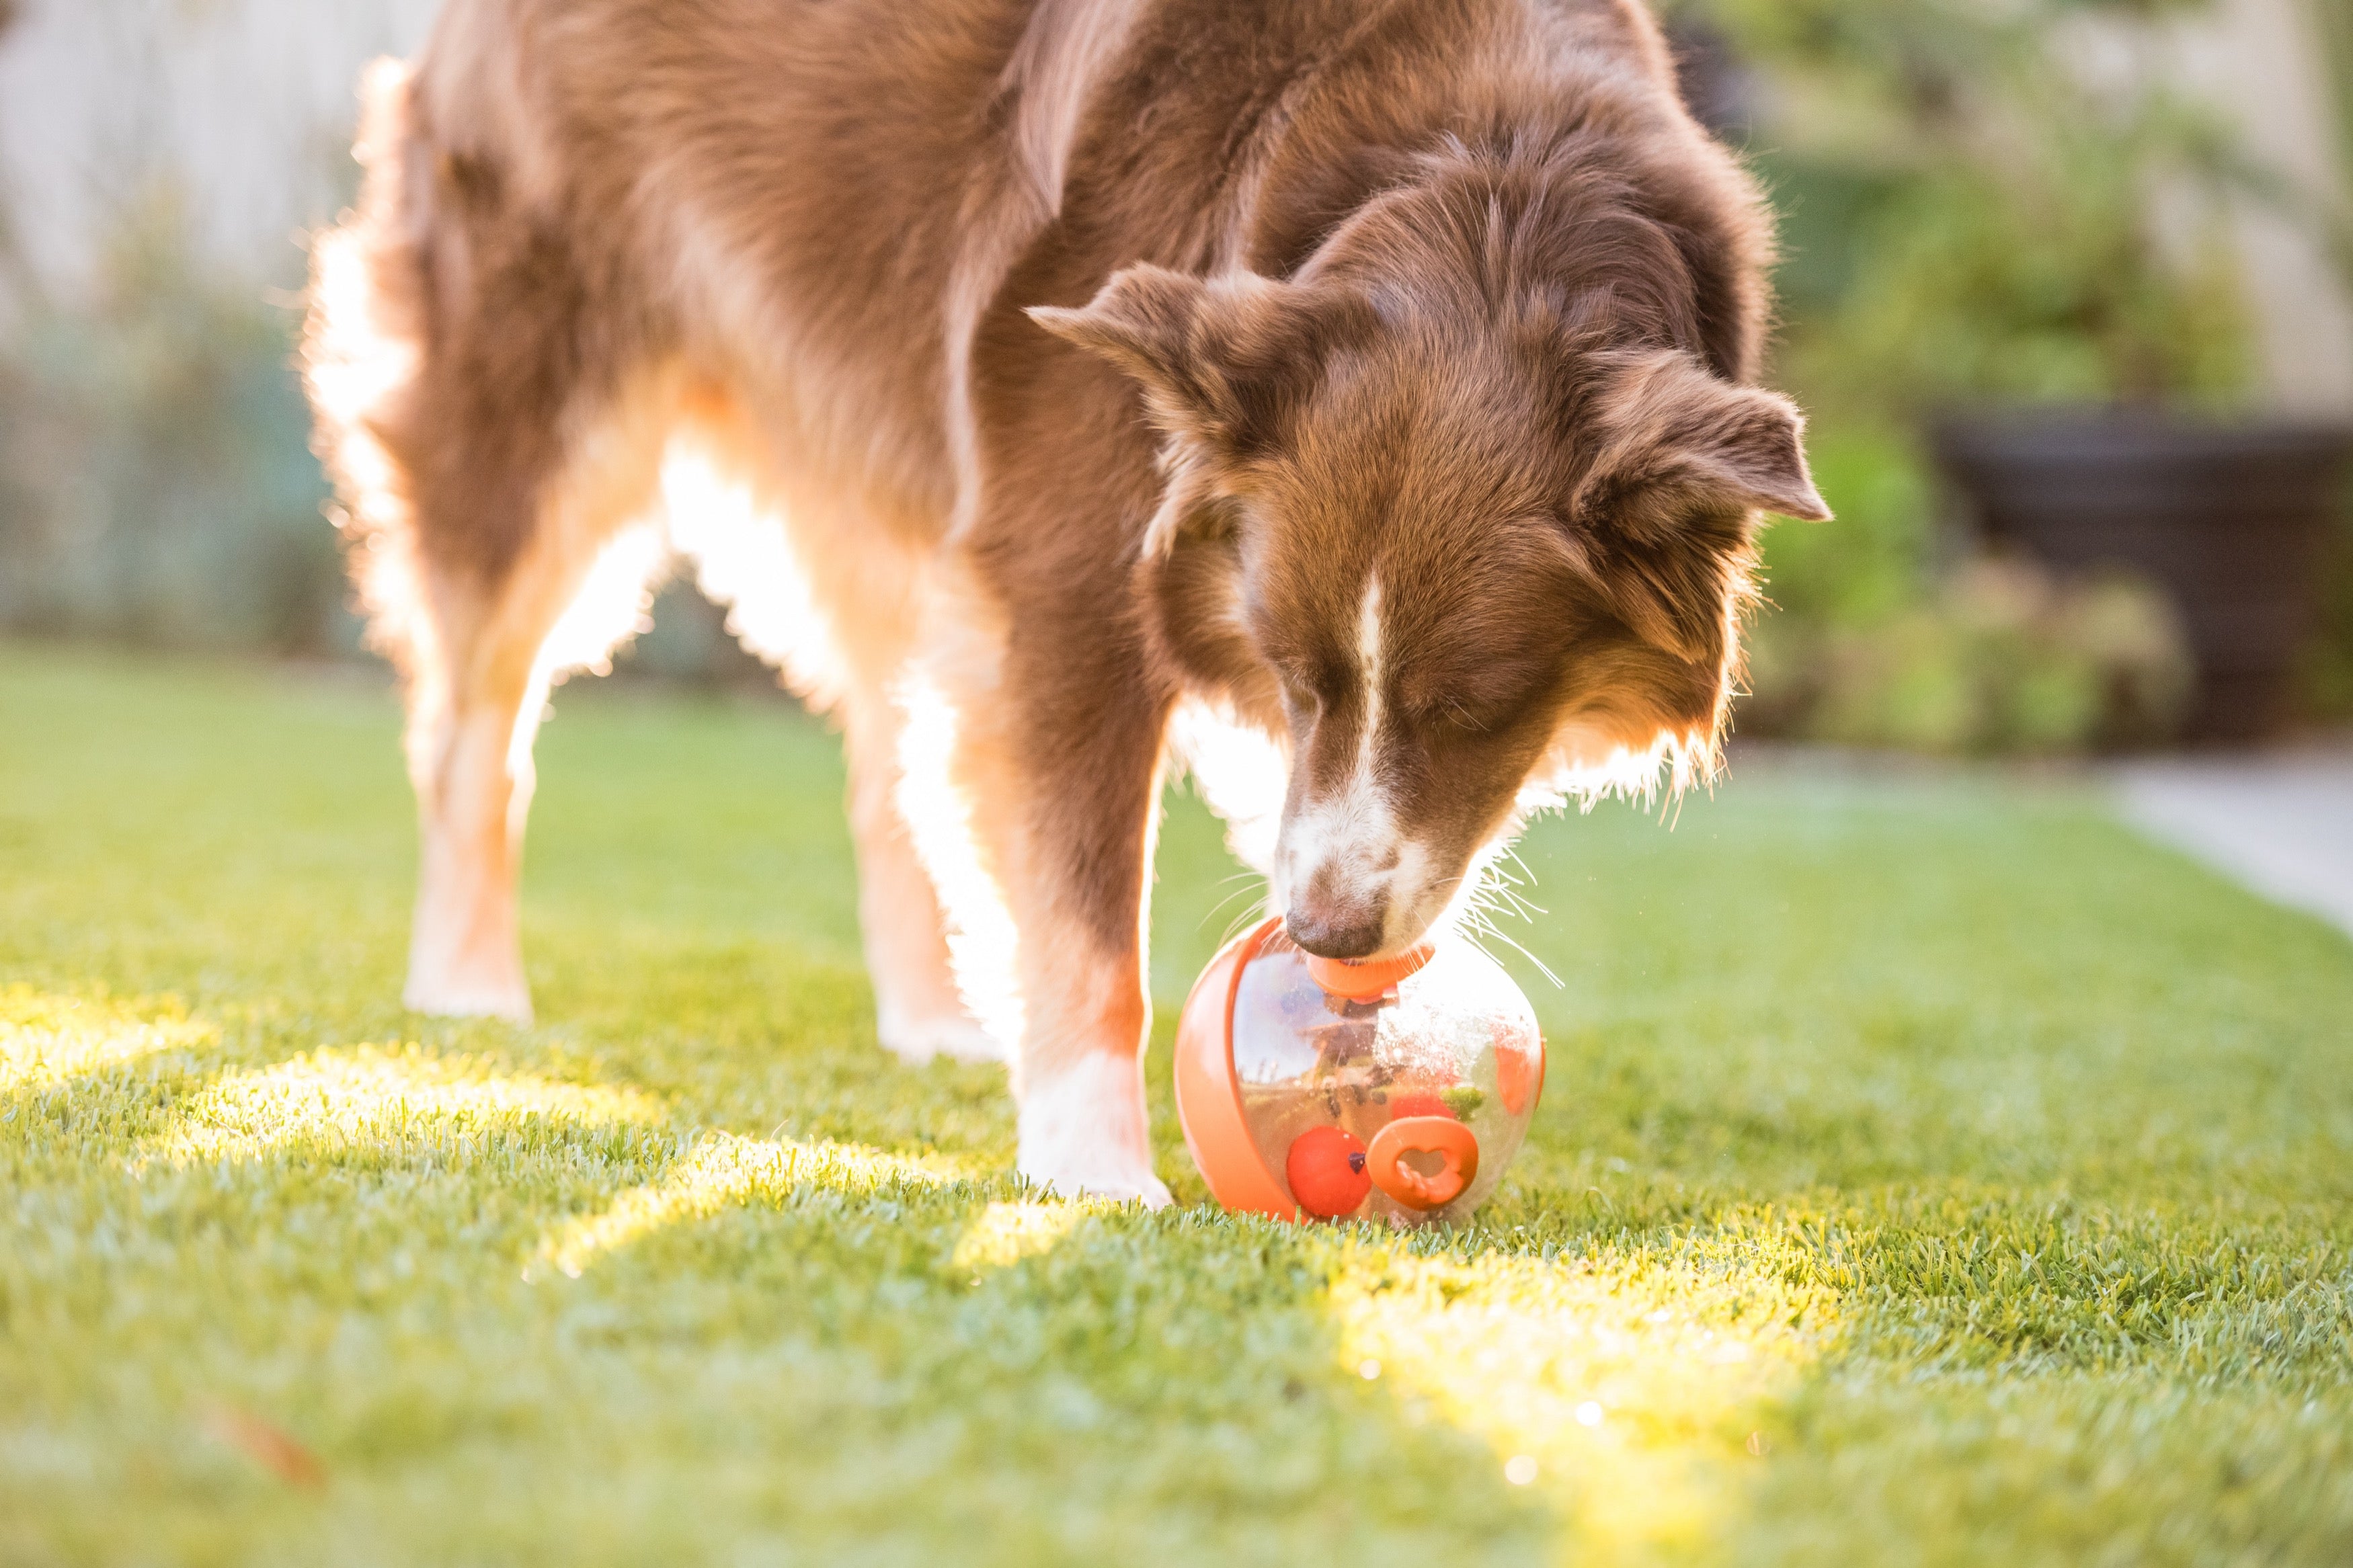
point(2006, 656)
point(1872, 640)
point(1969, 218)
point(1968, 213)
point(158, 487)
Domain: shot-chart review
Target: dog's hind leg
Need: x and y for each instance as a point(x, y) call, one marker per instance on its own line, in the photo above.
point(918, 1011)
point(478, 687)
point(489, 455)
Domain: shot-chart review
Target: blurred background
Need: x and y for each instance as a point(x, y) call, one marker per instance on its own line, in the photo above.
point(2067, 289)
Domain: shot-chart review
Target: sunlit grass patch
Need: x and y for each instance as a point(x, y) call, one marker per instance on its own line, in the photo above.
point(46, 1039)
point(722, 1171)
point(1631, 1385)
point(1005, 1233)
point(384, 1098)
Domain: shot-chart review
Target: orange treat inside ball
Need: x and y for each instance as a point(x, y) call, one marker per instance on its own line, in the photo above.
point(1326, 1171)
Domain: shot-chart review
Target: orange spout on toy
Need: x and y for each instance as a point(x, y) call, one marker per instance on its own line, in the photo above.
point(1361, 982)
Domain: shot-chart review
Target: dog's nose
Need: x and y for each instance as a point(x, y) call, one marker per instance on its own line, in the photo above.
point(1337, 911)
point(1337, 933)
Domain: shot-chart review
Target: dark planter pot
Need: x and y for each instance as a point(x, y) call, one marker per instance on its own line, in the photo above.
point(2232, 519)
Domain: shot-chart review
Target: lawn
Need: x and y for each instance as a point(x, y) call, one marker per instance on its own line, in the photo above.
point(1929, 1173)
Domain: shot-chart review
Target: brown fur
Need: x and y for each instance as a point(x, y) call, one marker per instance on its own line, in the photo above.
point(1098, 354)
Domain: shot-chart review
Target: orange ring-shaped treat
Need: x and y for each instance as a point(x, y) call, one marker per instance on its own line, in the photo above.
point(1444, 1136)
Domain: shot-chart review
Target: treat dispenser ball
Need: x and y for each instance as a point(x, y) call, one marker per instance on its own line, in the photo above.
point(1396, 1090)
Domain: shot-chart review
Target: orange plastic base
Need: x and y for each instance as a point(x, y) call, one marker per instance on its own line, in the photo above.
point(1208, 1100)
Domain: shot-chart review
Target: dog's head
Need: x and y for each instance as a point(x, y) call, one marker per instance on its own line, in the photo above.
point(1459, 555)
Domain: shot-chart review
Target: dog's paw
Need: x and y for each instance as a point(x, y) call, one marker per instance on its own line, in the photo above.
point(922, 1040)
point(1083, 1132)
point(1145, 1188)
point(446, 1000)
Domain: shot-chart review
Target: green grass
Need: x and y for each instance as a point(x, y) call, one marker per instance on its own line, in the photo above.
point(1929, 1173)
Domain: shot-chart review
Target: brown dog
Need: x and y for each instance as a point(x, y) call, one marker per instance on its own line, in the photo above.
point(1366, 380)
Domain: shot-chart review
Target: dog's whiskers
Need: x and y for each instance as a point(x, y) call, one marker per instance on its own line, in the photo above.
point(1476, 926)
point(1252, 883)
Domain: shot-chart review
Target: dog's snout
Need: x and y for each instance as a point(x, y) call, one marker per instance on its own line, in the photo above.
point(1343, 936)
point(1332, 925)
point(1338, 889)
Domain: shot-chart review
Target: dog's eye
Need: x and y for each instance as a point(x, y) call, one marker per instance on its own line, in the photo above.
point(1469, 711)
point(1458, 716)
point(1298, 693)
point(1311, 688)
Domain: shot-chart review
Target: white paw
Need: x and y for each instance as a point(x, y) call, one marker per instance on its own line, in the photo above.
point(443, 999)
point(1147, 1189)
point(1083, 1132)
point(921, 1040)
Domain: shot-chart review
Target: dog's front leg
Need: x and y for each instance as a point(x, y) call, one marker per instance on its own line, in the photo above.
point(1031, 786)
point(1080, 1074)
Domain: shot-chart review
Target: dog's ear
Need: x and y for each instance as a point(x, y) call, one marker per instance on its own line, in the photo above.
point(1675, 440)
point(1660, 521)
point(1222, 362)
point(1219, 359)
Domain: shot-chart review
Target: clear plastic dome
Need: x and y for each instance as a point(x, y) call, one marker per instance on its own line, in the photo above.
point(1405, 1106)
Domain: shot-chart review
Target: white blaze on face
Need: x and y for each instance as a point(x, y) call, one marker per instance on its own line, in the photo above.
point(1342, 843)
point(1368, 671)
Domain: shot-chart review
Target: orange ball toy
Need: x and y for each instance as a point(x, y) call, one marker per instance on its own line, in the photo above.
point(1396, 1091)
